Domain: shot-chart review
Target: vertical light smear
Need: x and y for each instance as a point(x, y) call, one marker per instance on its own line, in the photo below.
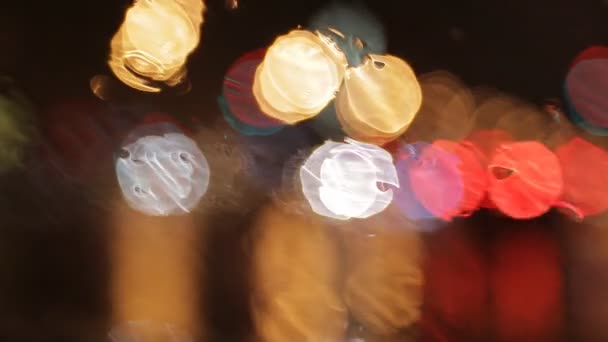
point(155, 263)
point(384, 280)
point(297, 293)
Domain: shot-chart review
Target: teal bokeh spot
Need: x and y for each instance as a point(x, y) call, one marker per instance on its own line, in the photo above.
point(357, 25)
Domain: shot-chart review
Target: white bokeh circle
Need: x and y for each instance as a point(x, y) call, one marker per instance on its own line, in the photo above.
point(163, 175)
point(340, 180)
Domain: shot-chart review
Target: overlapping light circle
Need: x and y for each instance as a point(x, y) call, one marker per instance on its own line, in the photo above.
point(298, 77)
point(449, 181)
point(378, 99)
point(237, 102)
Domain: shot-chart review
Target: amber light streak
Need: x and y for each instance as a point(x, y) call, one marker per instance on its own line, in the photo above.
point(384, 279)
point(297, 291)
point(154, 263)
point(154, 41)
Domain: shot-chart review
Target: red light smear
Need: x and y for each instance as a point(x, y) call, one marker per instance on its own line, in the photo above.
point(534, 185)
point(526, 281)
point(456, 283)
point(238, 91)
point(585, 185)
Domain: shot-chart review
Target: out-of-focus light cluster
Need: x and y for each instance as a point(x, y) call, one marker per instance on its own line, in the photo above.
point(340, 180)
point(521, 179)
point(150, 49)
point(162, 175)
point(303, 71)
point(499, 152)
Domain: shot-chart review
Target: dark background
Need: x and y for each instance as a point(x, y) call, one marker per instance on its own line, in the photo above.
point(53, 265)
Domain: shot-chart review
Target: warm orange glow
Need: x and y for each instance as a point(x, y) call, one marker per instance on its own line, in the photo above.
point(298, 77)
point(155, 265)
point(232, 4)
point(384, 281)
point(296, 276)
point(378, 99)
point(154, 41)
point(522, 120)
point(447, 111)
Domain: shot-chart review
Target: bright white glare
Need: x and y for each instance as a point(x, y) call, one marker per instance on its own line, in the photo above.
point(340, 180)
point(163, 175)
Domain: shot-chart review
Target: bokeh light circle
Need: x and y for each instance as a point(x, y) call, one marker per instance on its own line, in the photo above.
point(340, 180)
point(525, 179)
point(378, 99)
point(162, 175)
point(298, 77)
point(585, 87)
